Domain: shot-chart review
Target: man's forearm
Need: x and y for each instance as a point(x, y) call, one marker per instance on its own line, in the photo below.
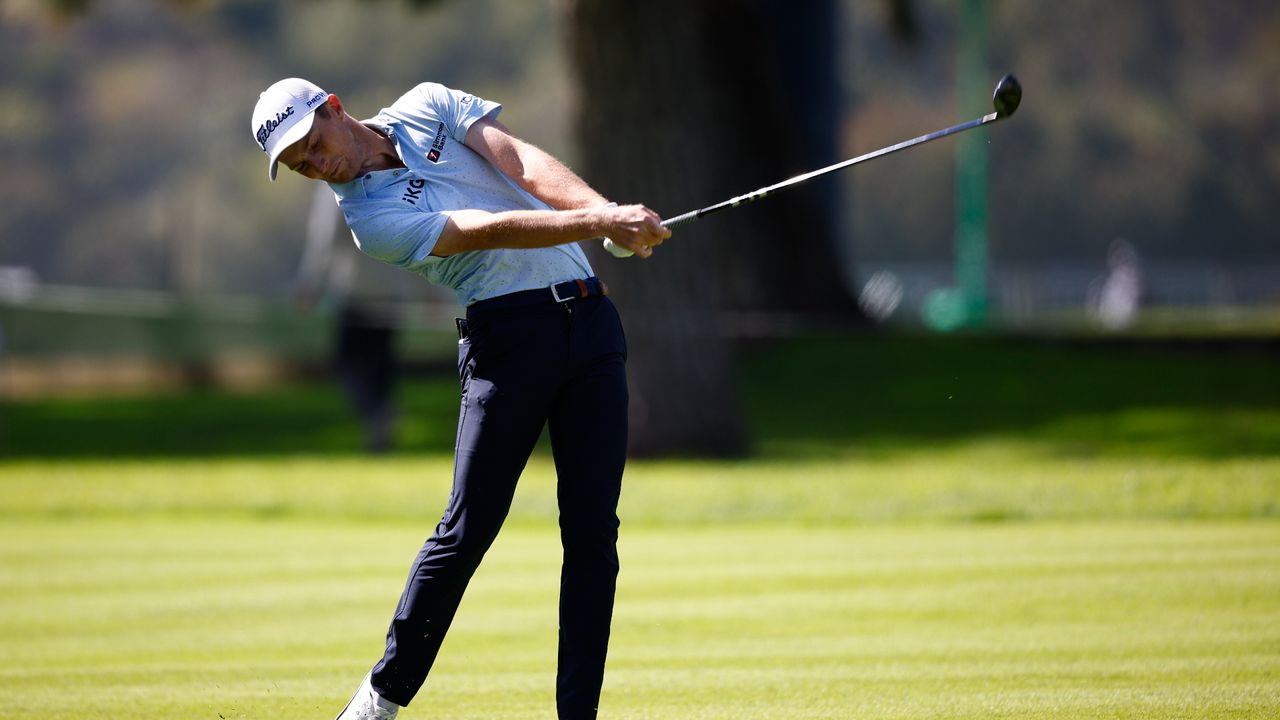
point(469, 230)
point(634, 227)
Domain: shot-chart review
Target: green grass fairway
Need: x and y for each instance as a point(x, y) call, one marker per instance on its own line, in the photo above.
point(974, 528)
point(243, 618)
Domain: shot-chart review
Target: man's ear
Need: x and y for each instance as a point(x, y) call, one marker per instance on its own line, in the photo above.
point(334, 104)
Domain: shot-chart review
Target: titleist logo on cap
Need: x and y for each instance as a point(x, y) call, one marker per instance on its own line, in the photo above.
point(268, 127)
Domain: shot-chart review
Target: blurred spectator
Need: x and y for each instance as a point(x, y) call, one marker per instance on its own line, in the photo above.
point(1114, 299)
point(332, 275)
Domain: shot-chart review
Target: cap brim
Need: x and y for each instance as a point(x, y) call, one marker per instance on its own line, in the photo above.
point(290, 136)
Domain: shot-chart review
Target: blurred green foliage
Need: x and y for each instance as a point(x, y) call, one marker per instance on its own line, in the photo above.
point(1146, 121)
point(124, 125)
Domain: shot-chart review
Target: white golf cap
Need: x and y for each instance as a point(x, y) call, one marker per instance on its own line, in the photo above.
point(283, 115)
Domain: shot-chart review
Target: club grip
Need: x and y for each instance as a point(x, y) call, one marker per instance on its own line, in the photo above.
point(677, 221)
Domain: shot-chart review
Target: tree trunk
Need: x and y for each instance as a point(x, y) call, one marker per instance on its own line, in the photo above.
point(683, 103)
point(647, 128)
point(774, 64)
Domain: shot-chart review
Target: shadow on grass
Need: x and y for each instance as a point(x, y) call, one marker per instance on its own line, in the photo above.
point(1175, 398)
point(311, 419)
point(814, 397)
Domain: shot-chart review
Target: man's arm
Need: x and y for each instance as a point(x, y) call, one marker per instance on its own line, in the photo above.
point(584, 215)
point(635, 227)
point(532, 168)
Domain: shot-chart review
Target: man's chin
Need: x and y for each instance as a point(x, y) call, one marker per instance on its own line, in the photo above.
point(342, 173)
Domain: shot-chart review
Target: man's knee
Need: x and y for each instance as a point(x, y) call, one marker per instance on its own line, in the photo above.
point(592, 542)
point(468, 534)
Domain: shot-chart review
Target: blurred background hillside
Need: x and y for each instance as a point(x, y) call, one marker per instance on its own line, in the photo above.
point(1136, 189)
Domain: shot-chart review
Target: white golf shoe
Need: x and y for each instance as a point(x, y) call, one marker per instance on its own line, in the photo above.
point(367, 704)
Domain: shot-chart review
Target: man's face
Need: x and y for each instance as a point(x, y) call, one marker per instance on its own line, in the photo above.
point(324, 153)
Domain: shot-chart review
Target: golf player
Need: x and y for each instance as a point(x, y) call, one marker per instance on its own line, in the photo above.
point(435, 185)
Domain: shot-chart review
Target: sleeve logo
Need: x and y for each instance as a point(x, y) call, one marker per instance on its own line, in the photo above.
point(436, 147)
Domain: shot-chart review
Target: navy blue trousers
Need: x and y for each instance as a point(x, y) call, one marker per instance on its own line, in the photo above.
point(523, 368)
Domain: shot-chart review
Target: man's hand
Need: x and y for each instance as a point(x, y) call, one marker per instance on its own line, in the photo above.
point(635, 228)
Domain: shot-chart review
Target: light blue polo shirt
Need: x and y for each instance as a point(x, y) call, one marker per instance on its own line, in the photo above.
point(397, 215)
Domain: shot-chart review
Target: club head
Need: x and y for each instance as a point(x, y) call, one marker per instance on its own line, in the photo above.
point(1007, 96)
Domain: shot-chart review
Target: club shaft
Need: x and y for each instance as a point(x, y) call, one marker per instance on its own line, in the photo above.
point(754, 195)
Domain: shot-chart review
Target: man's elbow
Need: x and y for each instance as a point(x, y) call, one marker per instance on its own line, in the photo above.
point(464, 231)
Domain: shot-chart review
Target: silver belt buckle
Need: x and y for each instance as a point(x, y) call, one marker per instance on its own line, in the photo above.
point(555, 294)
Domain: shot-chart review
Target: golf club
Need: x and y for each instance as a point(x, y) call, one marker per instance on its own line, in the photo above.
point(1007, 96)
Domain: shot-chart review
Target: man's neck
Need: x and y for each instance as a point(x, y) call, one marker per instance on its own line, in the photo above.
point(378, 150)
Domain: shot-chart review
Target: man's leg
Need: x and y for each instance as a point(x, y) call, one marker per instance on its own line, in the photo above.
point(365, 363)
point(589, 439)
point(504, 407)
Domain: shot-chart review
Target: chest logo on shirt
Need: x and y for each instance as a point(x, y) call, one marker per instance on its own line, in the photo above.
point(434, 154)
point(413, 193)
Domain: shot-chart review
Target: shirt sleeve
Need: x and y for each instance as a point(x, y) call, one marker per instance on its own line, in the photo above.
point(457, 109)
point(403, 237)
